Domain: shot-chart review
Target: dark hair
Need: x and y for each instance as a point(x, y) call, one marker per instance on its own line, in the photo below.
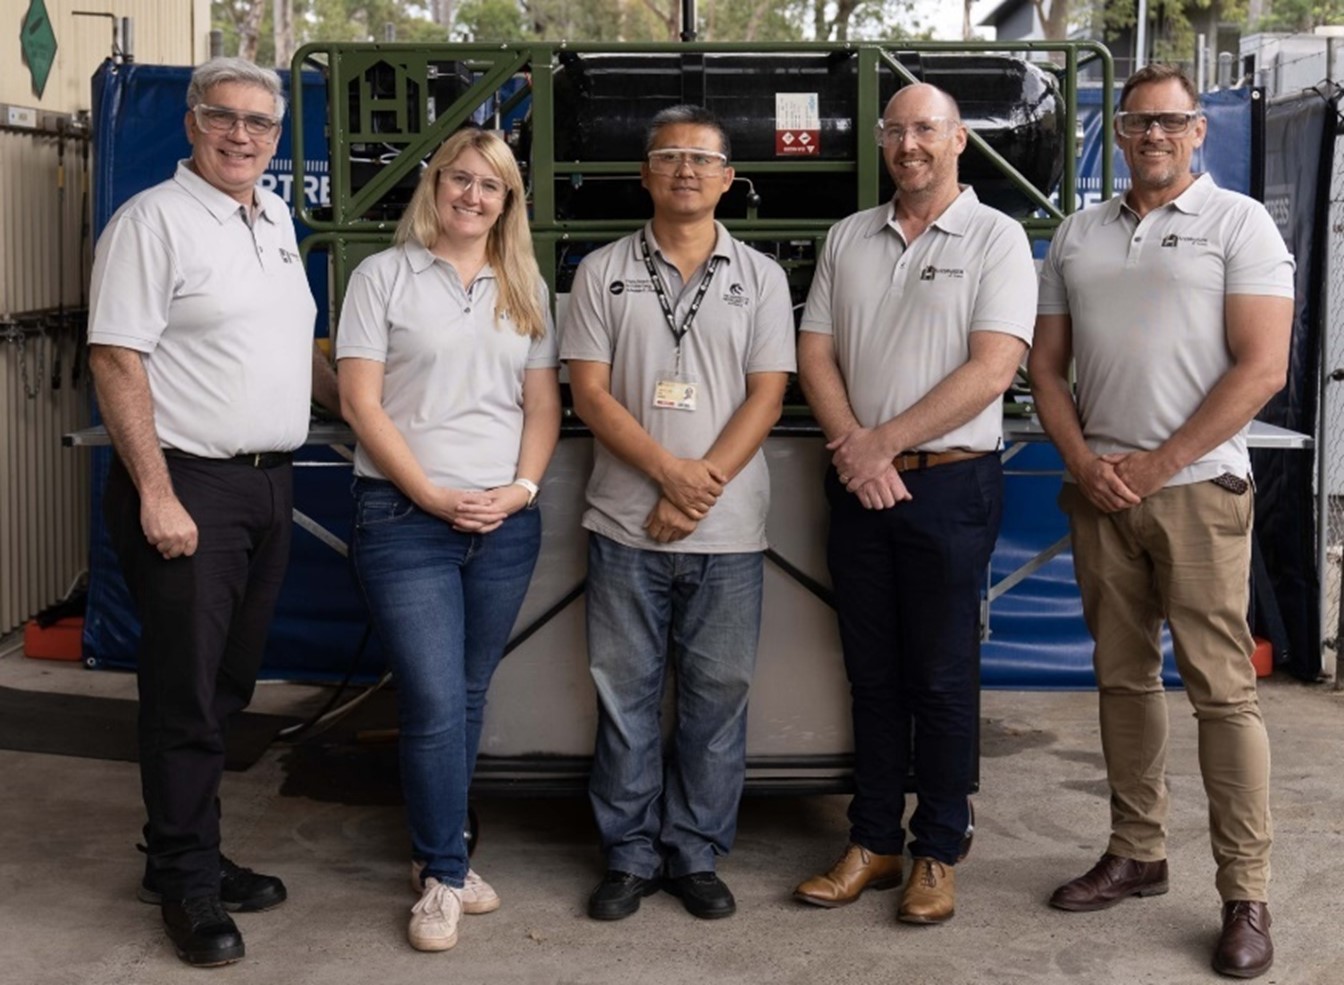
point(687, 113)
point(1158, 72)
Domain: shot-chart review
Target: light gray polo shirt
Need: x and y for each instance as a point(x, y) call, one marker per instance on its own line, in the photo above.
point(744, 325)
point(221, 310)
point(1146, 302)
point(902, 315)
point(452, 376)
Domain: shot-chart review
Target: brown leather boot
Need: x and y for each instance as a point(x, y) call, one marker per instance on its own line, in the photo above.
point(1108, 882)
point(854, 871)
point(930, 895)
point(1244, 949)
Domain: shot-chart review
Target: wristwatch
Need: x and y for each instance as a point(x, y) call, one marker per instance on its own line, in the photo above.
point(531, 488)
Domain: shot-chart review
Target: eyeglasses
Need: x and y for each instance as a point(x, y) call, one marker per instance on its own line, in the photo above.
point(924, 131)
point(221, 119)
point(703, 163)
point(1174, 122)
point(487, 187)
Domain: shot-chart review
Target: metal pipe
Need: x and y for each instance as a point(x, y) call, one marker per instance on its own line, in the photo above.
point(687, 20)
point(128, 39)
point(1141, 36)
point(216, 42)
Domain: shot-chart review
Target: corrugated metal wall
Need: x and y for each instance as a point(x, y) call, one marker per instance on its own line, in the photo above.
point(44, 263)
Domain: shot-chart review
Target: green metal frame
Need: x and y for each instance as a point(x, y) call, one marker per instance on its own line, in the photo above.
point(493, 64)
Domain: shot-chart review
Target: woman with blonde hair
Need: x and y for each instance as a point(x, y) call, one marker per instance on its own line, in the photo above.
point(448, 376)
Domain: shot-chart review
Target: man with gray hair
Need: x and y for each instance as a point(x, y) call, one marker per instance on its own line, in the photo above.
point(679, 341)
point(201, 335)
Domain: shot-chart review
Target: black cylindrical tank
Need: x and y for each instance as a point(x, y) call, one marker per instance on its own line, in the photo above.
point(603, 102)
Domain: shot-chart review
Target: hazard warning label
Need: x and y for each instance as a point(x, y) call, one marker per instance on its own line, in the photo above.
point(797, 124)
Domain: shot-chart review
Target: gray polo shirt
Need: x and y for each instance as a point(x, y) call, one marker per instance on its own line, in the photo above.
point(452, 376)
point(1146, 302)
point(744, 325)
point(221, 310)
point(902, 315)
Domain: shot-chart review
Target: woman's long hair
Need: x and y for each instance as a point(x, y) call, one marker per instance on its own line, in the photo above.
point(508, 249)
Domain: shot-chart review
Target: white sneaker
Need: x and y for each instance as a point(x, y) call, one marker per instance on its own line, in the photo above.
point(478, 896)
point(434, 919)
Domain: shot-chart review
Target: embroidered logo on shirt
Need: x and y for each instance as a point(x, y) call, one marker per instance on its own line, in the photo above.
point(619, 287)
point(736, 296)
point(1172, 241)
point(931, 272)
point(287, 255)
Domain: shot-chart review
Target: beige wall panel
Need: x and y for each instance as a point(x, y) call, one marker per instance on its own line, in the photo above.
point(42, 261)
point(165, 32)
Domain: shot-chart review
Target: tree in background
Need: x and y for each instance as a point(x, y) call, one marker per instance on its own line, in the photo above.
point(1300, 15)
point(268, 31)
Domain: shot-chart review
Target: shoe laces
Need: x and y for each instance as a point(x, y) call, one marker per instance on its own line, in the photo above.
point(930, 871)
point(438, 899)
point(472, 881)
point(201, 910)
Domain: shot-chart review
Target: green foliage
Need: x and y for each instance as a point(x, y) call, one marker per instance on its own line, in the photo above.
point(570, 20)
point(1301, 15)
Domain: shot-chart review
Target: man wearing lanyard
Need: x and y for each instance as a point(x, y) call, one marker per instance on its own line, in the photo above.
point(679, 341)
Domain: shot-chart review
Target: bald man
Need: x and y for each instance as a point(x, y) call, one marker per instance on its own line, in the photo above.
point(919, 314)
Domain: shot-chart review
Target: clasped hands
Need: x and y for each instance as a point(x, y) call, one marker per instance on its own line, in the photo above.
point(690, 488)
point(863, 461)
point(473, 512)
point(1119, 480)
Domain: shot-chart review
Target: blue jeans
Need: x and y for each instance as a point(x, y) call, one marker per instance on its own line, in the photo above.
point(907, 593)
point(443, 604)
point(676, 810)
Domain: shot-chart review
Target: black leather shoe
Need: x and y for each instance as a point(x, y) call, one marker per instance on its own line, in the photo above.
point(618, 895)
point(240, 890)
point(703, 894)
point(201, 932)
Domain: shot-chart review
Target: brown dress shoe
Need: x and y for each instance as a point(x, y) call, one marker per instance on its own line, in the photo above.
point(1244, 949)
point(1108, 882)
point(930, 895)
point(853, 872)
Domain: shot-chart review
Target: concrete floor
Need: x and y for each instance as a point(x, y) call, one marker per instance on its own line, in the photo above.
point(68, 868)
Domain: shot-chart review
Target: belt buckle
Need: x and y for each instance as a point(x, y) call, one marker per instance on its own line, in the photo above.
point(256, 459)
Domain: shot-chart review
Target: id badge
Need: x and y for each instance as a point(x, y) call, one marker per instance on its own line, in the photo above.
point(674, 391)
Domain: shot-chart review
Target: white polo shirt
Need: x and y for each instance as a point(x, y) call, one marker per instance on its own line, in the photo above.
point(744, 325)
point(902, 315)
point(221, 309)
point(1145, 297)
point(452, 377)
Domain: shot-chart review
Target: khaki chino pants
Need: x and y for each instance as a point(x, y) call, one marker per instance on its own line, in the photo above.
point(1182, 555)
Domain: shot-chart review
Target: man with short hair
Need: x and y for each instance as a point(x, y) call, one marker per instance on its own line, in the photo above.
point(201, 335)
point(679, 341)
point(918, 317)
point(1175, 301)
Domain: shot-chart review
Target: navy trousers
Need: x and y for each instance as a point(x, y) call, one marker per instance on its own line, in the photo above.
point(907, 589)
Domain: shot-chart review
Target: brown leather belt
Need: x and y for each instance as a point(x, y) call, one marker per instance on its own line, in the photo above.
point(909, 461)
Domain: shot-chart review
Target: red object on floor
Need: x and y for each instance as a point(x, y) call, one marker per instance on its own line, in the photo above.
point(59, 641)
point(1263, 657)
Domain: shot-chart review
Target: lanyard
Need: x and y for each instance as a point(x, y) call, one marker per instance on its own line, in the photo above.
point(677, 333)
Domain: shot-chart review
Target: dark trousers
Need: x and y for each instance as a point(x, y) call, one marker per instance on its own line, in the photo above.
point(203, 627)
point(907, 592)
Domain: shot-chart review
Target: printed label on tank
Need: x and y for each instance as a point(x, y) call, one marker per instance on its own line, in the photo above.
point(797, 124)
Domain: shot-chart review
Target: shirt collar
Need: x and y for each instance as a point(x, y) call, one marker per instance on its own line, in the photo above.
point(723, 243)
point(421, 259)
point(1191, 201)
point(955, 220)
point(222, 205)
